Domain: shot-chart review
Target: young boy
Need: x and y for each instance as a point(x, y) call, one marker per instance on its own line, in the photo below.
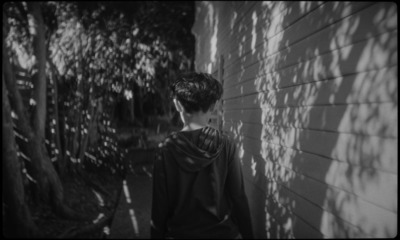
point(198, 188)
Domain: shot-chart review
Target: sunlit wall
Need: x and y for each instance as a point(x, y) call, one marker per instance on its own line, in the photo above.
point(311, 97)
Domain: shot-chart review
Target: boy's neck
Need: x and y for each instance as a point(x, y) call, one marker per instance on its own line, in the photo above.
point(194, 121)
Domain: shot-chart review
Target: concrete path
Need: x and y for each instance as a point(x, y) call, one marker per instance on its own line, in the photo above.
point(132, 217)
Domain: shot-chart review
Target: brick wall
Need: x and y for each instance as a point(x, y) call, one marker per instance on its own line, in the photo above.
point(311, 96)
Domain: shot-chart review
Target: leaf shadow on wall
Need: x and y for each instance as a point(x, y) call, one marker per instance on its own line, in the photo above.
point(316, 137)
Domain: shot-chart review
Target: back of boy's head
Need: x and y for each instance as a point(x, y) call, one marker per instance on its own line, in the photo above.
point(196, 91)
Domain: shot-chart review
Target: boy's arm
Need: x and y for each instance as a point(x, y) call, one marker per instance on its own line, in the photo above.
point(159, 208)
point(235, 186)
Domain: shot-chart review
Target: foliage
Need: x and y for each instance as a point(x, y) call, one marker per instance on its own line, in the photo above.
point(100, 53)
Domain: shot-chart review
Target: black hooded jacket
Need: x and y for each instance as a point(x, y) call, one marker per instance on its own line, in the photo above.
point(198, 189)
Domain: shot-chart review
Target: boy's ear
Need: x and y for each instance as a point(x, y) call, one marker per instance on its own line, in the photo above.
point(178, 105)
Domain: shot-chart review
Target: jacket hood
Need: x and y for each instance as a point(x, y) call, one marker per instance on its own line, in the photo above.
point(194, 154)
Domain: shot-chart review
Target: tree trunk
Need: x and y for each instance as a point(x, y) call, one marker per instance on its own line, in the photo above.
point(85, 137)
point(133, 102)
point(49, 184)
point(61, 157)
point(78, 109)
point(19, 220)
point(140, 103)
point(76, 131)
point(37, 31)
point(22, 118)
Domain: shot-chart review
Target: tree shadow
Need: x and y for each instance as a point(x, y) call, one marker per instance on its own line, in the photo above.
point(311, 99)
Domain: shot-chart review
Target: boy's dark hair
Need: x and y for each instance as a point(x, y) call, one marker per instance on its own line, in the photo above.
point(196, 91)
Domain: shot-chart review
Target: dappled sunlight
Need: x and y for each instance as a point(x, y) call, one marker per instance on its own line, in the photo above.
point(131, 211)
point(233, 20)
point(238, 137)
point(374, 222)
point(375, 54)
point(126, 192)
point(214, 37)
point(305, 7)
point(253, 167)
point(270, 45)
point(99, 198)
point(23, 59)
point(369, 153)
point(310, 97)
point(134, 221)
point(306, 80)
point(207, 41)
point(254, 33)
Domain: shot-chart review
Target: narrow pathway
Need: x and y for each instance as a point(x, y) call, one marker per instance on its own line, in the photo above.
point(132, 217)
